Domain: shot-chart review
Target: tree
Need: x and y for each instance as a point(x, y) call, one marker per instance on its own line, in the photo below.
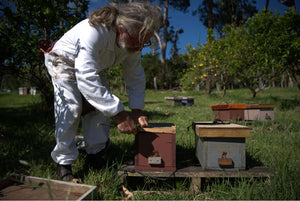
point(267, 4)
point(289, 3)
point(173, 38)
point(255, 55)
point(150, 63)
point(219, 13)
point(180, 5)
point(288, 44)
point(28, 22)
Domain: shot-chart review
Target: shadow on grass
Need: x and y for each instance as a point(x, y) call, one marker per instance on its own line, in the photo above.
point(26, 134)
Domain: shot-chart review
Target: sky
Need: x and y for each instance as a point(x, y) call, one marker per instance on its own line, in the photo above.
point(194, 30)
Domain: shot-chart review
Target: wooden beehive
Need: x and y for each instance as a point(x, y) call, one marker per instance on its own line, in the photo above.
point(221, 146)
point(156, 147)
point(19, 187)
point(180, 100)
point(259, 112)
point(231, 111)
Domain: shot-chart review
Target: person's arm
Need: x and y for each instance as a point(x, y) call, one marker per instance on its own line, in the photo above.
point(134, 77)
point(90, 42)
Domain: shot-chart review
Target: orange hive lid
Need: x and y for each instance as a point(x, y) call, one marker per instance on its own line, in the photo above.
point(229, 106)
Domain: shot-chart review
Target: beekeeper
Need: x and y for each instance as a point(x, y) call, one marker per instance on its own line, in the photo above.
point(110, 36)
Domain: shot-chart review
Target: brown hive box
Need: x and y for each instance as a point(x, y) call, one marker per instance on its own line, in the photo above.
point(19, 187)
point(221, 146)
point(259, 112)
point(231, 111)
point(156, 147)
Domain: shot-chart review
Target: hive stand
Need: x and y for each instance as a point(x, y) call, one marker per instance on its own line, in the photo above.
point(195, 173)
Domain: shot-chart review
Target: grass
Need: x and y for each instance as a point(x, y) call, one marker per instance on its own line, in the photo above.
point(27, 138)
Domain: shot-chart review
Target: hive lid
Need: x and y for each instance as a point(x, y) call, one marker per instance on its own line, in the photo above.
point(222, 130)
point(229, 106)
point(179, 98)
point(159, 128)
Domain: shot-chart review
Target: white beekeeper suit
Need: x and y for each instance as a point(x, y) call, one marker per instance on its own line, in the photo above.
point(74, 64)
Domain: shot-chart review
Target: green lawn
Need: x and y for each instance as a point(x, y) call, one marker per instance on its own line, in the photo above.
point(27, 138)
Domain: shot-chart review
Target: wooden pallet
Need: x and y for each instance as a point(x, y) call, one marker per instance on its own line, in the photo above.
point(196, 173)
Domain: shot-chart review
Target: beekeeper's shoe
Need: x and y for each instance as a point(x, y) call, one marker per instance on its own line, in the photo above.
point(97, 161)
point(64, 172)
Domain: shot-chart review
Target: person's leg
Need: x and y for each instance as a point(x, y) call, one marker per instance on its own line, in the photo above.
point(67, 110)
point(96, 128)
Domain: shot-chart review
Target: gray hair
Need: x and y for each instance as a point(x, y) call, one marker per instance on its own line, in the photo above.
point(136, 17)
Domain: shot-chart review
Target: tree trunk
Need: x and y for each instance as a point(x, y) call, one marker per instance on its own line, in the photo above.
point(253, 92)
point(208, 84)
point(282, 81)
point(165, 33)
point(210, 14)
point(224, 91)
point(267, 4)
point(153, 48)
point(198, 87)
point(174, 53)
point(155, 83)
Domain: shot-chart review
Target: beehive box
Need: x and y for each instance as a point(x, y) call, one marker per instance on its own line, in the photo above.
point(259, 112)
point(19, 187)
point(156, 147)
point(231, 111)
point(180, 100)
point(221, 146)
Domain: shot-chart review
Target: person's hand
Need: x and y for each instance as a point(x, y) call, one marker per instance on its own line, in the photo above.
point(138, 118)
point(125, 123)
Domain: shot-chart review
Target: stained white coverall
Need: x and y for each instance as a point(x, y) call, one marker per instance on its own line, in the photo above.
point(74, 65)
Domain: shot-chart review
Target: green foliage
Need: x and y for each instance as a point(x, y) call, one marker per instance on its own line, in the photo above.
point(152, 68)
point(253, 55)
point(288, 104)
point(24, 24)
point(226, 12)
point(174, 71)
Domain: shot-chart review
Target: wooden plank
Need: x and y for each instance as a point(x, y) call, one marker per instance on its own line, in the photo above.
point(197, 171)
point(196, 174)
point(159, 128)
point(195, 184)
point(222, 130)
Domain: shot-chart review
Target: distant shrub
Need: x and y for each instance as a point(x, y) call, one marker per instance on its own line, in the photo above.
point(289, 104)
